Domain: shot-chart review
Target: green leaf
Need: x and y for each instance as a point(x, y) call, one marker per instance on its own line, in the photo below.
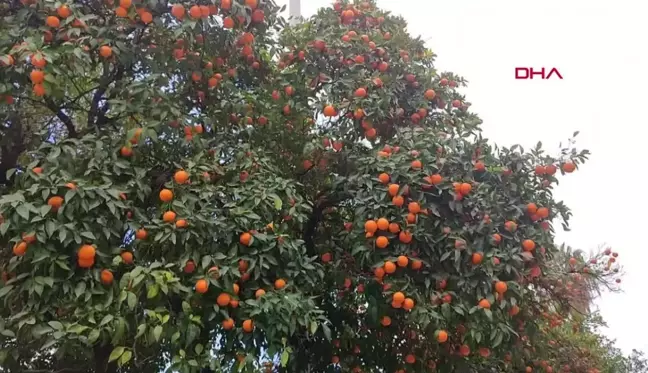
point(23, 211)
point(157, 332)
point(116, 354)
point(125, 358)
point(313, 327)
point(88, 235)
point(131, 300)
point(285, 355)
point(153, 291)
point(5, 290)
point(106, 319)
point(94, 335)
point(56, 325)
point(278, 204)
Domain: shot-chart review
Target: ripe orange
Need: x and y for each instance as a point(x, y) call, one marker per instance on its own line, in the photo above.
point(390, 267)
point(107, 277)
point(121, 12)
point(510, 226)
point(194, 12)
point(429, 94)
point(248, 326)
point(416, 264)
point(435, 179)
point(53, 21)
point(37, 170)
point(55, 202)
point(329, 111)
point(383, 224)
point(477, 258)
point(20, 248)
point(37, 76)
point(405, 237)
point(382, 242)
point(141, 234)
point(228, 22)
point(63, 11)
point(442, 336)
point(514, 310)
point(190, 266)
point(178, 11)
point(379, 273)
point(169, 217)
point(181, 223)
point(223, 299)
point(568, 167)
point(126, 151)
point(398, 297)
point(532, 208)
point(528, 245)
point(550, 169)
point(398, 201)
point(181, 177)
point(127, 257)
point(326, 257)
point(416, 164)
point(393, 189)
point(410, 359)
point(29, 238)
point(484, 303)
point(408, 304)
point(360, 92)
point(85, 263)
point(497, 238)
point(166, 195)
point(543, 212)
point(414, 207)
point(501, 287)
point(125, 3)
point(384, 178)
point(465, 188)
point(226, 4)
point(146, 17)
point(402, 261)
point(394, 228)
point(259, 293)
point(228, 324)
point(245, 239)
point(280, 284)
point(385, 321)
point(371, 226)
point(202, 285)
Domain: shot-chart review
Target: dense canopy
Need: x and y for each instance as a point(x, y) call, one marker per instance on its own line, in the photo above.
point(198, 186)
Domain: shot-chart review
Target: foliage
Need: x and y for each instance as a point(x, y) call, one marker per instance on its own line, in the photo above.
point(215, 190)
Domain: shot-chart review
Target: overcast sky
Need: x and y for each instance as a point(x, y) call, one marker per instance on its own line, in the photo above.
point(600, 50)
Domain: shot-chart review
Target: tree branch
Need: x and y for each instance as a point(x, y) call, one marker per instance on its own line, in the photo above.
point(72, 133)
point(106, 79)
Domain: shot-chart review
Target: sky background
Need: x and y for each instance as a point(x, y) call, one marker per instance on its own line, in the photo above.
point(599, 50)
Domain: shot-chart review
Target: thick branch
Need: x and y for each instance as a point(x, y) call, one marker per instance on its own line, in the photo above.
point(11, 150)
point(106, 79)
point(72, 133)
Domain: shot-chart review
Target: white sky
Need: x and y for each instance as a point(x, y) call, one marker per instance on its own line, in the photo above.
point(599, 49)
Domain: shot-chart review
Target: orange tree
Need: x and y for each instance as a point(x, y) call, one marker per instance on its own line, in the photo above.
point(217, 191)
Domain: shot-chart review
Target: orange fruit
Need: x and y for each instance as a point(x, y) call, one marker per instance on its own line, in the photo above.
point(20, 248)
point(410, 359)
point(105, 51)
point(385, 321)
point(568, 167)
point(329, 111)
point(166, 195)
point(202, 285)
point(497, 238)
point(514, 310)
point(63, 11)
point(228, 22)
point(178, 11)
point(405, 237)
point(259, 293)
point(280, 284)
point(87, 252)
point(436, 179)
point(146, 17)
point(107, 277)
point(169, 217)
point(37, 170)
point(398, 297)
point(398, 201)
point(501, 287)
point(510, 226)
point(382, 242)
point(402, 261)
point(416, 164)
point(379, 272)
point(543, 212)
point(393, 189)
point(390, 267)
point(465, 188)
point(126, 151)
point(371, 226)
point(408, 304)
point(528, 245)
point(484, 303)
point(245, 239)
point(414, 207)
point(53, 21)
point(429, 94)
point(248, 326)
point(37, 76)
point(416, 264)
point(394, 228)
point(181, 223)
point(477, 258)
point(141, 234)
point(442, 336)
point(127, 257)
point(125, 3)
point(223, 299)
point(360, 92)
point(228, 324)
point(194, 12)
point(252, 3)
point(28, 238)
point(383, 224)
point(121, 12)
point(85, 263)
point(384, 178)
point(532, 208)
point(326, 257)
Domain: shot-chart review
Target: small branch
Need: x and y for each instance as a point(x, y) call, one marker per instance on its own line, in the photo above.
point(72, 133)
point(106, 79)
